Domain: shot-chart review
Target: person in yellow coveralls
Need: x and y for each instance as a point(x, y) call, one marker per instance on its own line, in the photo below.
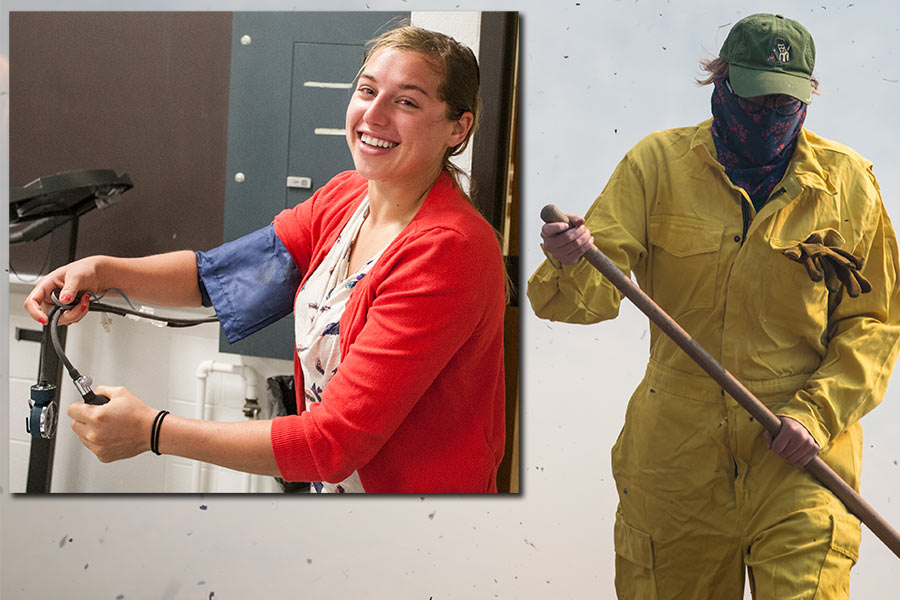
point(770, 246)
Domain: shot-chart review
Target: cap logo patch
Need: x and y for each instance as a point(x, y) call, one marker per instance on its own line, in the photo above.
point(781, 53)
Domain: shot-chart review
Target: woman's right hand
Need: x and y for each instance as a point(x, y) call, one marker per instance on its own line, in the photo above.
point(71, 279)
point(566, 242)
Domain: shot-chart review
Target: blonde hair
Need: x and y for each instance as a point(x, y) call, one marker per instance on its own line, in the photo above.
point(458, 69)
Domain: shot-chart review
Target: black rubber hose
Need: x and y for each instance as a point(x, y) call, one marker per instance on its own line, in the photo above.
point(55, 312)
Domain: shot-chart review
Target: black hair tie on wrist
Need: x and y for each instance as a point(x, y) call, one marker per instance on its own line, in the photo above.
point(154, 431)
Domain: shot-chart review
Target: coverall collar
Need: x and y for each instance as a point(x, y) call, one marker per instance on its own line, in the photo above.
point(804, 170)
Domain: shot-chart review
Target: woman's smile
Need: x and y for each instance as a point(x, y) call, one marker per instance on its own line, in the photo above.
point(370, 140)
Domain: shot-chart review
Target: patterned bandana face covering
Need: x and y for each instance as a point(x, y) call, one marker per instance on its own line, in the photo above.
point(755, 148)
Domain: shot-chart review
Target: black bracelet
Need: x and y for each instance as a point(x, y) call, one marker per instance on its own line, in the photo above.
point(154, 431)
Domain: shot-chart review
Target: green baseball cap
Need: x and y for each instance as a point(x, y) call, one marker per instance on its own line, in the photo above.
point(769, 54)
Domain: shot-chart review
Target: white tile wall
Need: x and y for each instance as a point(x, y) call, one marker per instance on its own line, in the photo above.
point(160, 366)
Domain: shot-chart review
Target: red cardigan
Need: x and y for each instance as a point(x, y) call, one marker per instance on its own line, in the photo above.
point(417, 404)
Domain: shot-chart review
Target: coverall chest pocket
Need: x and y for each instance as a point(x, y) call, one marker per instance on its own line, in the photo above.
point(796, 298)
point(684, 262)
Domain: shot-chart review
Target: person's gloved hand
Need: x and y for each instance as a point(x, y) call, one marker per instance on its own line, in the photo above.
point(832, 263)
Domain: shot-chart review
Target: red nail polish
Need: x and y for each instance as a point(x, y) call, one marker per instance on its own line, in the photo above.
point(83, 307)
point(66, 298)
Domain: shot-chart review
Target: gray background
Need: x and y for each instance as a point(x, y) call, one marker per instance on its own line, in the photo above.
point(596, 77)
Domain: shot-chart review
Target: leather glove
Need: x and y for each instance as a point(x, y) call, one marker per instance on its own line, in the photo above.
point(832, 263)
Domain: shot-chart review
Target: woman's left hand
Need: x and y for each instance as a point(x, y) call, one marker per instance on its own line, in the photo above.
point(793, 443)
point(115, 430)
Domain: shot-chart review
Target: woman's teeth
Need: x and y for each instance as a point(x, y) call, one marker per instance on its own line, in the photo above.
point(373, 141)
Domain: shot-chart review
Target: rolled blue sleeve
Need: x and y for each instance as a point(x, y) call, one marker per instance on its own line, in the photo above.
point(250, 282)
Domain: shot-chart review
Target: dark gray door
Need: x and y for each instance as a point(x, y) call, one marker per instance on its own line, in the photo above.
point(322, 84)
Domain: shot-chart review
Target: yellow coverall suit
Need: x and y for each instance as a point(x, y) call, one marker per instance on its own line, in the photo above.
point(700, 494)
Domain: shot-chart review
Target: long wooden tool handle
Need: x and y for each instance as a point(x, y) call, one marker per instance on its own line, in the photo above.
point(817, 467)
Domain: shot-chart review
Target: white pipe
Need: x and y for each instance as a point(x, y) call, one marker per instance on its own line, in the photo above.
point(250, 377)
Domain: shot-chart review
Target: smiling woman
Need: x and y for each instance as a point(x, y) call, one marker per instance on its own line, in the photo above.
point(424, 91)
point(397, 126)
point(399, 341)
point(399, 134)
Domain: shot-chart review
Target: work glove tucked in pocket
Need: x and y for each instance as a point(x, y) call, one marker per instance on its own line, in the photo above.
point(826, 260)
